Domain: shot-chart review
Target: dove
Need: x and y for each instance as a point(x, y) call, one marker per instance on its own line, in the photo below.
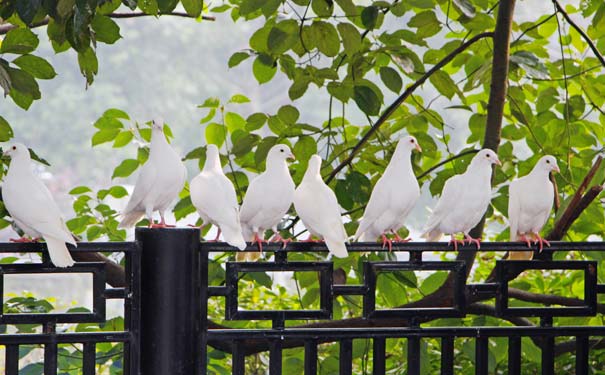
point(159, 183)
point(393, 197)
point(318, 209)
point(267, 199)
point(464, 200)
point(529, 203)
point(32, 207)
point(213, 196)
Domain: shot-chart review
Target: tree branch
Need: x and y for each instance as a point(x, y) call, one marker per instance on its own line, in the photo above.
point(8, 27)
point(549, 299)
point(586, 38)
point(391, 108)
point(115, 274)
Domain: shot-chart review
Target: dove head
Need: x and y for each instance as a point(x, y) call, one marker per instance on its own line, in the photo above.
point(157, 124)
point(213, 159)
point(314, 166)
point(409, 143)
point(548, 164)
point(278, 153)
point(486, 156)
point(17, 151)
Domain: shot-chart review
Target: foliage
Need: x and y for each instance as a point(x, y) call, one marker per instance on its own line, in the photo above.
point(363, 56)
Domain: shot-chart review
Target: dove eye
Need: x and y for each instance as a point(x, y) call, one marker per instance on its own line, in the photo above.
point(548, 162)
point(14, 147)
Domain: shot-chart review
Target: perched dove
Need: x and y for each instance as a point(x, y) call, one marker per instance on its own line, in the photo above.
point(213, 195)
point(33, 208)
point(464, 200)
point(317, 207)
point(393, 197)
point(529, 203)
point(159, 183)
point(267, 200)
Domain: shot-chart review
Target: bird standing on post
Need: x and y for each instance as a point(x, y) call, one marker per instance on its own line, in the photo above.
point(464, 200)
point(268, 198)
point(213, 196)
point(32, 207)
point(530, 200)
point(393, 197)
point(159, 183)
point(318, 209)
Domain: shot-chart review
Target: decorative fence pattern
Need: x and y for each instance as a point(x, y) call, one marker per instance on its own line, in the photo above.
point(166, 296)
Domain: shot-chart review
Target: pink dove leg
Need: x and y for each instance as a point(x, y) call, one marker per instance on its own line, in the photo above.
point(455, 242)
point(524, 238)
point(470, 240)
point(398, 238)
point(540, 241)
point(387, 242)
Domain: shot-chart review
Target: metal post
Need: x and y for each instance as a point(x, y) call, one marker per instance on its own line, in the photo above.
point(170, 301)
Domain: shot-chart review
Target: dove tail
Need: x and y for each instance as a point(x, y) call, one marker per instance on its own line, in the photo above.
point(433, 235)
point(58, 252)
point(233, 236)
point(337, 248)
point(131, 218)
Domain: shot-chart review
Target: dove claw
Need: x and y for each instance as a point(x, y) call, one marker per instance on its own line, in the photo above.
point(471, 240)
point(24, 240)
point(538, 240)
point(387, 242)
point(455, 242)
point(524, 238)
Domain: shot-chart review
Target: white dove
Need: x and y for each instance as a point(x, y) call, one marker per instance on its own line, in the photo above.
point(529, 203)
point(318, 208)
point(213, 195)
point(393, 197)
point(159, 183)
point(32, 207)
point(267, 199)
point(464, 200)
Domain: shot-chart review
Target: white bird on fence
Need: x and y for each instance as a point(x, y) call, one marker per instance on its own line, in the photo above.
point(464, 200)
point(32, 207)
point(318, 209)
point(530, 200)
point(393, 197)
point(213, 196)
point(159, 183)
point(267, 200)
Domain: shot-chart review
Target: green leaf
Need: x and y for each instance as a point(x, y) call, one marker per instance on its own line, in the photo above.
point(322, 8)
point(288, 114)
point(215, 134)
point(116, 113)
point(118, 192)
point(89, 66)
point(6, 132)
point(237, 58)
point(443, 83)
point(238, 98)
point(210, 103)
point(369, 17)
point(326, 38)
point(20, 41)
point(193, 7)
point(36, 66)
point(245, 144)
point(263, 68)
point(80, 190)
point(367, 100)
point(234, 121)
point(298, 88)
point(465, 8)
point(391, 79)
point(282, 36)
point(104, 135)
point(249, 6)
point(125, 168)
point(351, 38)
point(305, 148)
point(123, 139)
point(106, 30)
point(27, 9)
point(255, 121)
point(5, 79)
point(24, 83)
point(167, 6)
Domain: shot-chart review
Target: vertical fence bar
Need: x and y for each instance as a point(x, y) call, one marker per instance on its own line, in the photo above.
point(514, 355)
point(170, 300)
point(310, 357)
point(379, 357)
point(132, 311)
point(582, 348)
point(346, 357)
point(447, 356)
point(275, 356)
point(414, 355)
point(481, 363)
point(203, 339)
point(50, 359)
point(11, 362)
point(88, 358)
point(238, 360)
point(548, 356)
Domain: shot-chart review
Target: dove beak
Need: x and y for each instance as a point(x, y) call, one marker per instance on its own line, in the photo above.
point(418, 148)
point(498, 162)
point(556, 169)
point(291, 157)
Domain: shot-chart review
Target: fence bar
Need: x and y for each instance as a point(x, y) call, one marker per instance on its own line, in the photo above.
point(548, 356)
point(12, 359)
point(50, 359)
point(346, 357)
point(238, 360)
point(310, 357)
point(414, 355)
point(514, 355)
point(170, 300)
point(275, 355)
point(582, 348)
point(132, 312)
point(447, 356)
point(481, 362)
point(379, 358)
point(89, 359)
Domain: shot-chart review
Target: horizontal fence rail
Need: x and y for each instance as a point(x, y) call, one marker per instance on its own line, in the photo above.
point(242, 342)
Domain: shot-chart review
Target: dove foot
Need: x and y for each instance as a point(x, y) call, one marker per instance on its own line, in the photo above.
point(257, 240)
point(524, 238)
point(24, 240)
point(279, 238)
point(540, 242)
point(387, 242)
point(454, 241)
point(398, 237)
point(471, 240)
point(161, 225)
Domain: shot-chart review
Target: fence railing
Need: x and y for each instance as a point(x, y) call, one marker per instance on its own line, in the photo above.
point(167, 292)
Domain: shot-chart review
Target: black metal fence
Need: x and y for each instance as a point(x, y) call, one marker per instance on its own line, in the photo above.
point(166, 295)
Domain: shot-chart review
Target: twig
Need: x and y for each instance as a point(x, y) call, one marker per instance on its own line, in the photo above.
point(572, 213)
